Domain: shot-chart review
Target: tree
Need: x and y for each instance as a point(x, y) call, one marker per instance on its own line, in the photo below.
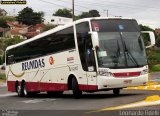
point(94, 13)
point(63, 13)
point(48, 27)
point(3, 23)
point(158, 42)
point(84, 15)
point(4, 43)
point(91, 13)
point(145, 28)
point(29, 17)
point(13, 41)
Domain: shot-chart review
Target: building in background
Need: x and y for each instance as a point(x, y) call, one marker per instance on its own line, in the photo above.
point(55, 20)
point(24, 31)
point(3, 12)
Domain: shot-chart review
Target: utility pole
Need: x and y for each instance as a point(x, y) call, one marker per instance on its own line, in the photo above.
point(14, 12)
point(73, 10)
point(107, 12)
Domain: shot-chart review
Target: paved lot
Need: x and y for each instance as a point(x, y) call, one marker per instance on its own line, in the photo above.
point(89, 104)
point(66, 104)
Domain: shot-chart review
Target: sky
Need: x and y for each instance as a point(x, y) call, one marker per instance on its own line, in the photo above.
point(146, 12)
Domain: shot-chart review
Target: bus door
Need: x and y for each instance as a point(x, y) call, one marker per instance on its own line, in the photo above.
point(86, 53)
point(90, 61)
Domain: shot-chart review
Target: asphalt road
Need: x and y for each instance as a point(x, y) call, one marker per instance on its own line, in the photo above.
point(66, 105)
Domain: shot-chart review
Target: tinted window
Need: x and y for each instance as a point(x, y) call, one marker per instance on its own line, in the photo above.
point(115, 25)
point(85, 46)
point(53, 43)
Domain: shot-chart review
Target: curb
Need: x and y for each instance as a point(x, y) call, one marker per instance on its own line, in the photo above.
point(152, 98)
point(3, 83)
point(148, 86)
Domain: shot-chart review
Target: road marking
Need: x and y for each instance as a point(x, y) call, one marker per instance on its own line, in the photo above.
point(149, 101)
point(8, 94)
point(37, 101)
point(148, 86)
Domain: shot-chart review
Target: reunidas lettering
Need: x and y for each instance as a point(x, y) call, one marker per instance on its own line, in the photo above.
point(34, 64)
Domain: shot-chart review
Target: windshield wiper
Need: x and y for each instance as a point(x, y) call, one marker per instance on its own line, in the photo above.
point(127, 52)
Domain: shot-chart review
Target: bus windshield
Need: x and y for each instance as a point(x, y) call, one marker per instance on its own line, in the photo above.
point(121, 44)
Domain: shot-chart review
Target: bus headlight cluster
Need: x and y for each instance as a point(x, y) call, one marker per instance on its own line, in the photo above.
point(143, 72)
point(105, 73)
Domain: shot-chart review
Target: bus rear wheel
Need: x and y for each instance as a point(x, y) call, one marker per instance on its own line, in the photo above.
point(116, 92)
point(19, 90)
point(75, 88)
point(24, 90)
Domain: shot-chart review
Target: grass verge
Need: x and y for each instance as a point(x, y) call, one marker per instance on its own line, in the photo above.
point(155, 68)
point(2, 77)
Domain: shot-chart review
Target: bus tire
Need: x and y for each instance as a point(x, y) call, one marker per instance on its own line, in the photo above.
point(75, 88)
point(116, 92)
point(19, 90)
point(25, 91)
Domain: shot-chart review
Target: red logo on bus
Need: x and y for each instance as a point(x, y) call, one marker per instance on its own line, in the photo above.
point(51, 60)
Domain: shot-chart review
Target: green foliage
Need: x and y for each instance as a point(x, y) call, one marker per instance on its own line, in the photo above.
point(49, 26)
point(145, 28)
point(84, 15)
point(2, 77)
point(3, 23)
point(153, 58)
point(155, 68)
point(91, 13)
point(4, 43)
point(158, 41)
point(29, 17)
point(4, 19)
point(9, 42)
point(94, 13)
point(1, 60)
point(8, 18)
point(68, 13)
point(63, 13)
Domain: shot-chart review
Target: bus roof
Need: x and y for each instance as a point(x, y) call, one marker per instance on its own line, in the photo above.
point(58, 28)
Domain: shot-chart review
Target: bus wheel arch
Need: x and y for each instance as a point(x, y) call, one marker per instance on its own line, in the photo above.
point(16, 84)
point(71, 76)
point(73, 85)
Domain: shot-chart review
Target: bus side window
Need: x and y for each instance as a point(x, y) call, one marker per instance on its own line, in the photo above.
point(11, 59)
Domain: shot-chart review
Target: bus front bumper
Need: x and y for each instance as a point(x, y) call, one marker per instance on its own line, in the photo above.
point(104, 82)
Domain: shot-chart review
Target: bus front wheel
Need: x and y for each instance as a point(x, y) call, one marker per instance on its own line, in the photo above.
point(75, 88)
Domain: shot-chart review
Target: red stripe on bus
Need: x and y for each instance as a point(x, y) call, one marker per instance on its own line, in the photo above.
point(36, 86)
point(126, 74)
point(88, 87)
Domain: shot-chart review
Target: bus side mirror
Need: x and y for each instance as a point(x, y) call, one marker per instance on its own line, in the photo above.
point(151, 36)
point(95, 39)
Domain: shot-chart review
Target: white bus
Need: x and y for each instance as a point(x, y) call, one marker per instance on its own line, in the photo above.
point(88, 55)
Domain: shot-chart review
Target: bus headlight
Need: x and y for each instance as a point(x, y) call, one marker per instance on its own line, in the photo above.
point(105, 73)
point(143, 72)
